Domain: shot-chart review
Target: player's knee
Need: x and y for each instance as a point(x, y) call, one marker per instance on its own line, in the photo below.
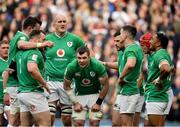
point(66, 110)
point(115, 123)
point(52, 108)
point(95, 115)
point(94, 122)
point(78, 123)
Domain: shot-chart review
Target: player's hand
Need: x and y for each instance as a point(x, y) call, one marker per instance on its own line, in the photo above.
point(10, 70)
point(6, 99)
point(139, 82)
point(120, 81)
point(158, 83)
point(78, 107)
point(95, 108)
point(47, 44)
point(103, 63)
point(46, 87)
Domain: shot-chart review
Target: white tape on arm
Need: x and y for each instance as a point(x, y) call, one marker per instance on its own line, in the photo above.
point(72, 96)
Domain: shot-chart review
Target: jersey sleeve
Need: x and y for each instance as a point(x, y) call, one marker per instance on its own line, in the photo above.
point(159, 59)
point(34, 57)
point(69, 72)
point(101, 70)
point(80, 42)
point(22, 38)
point(130, 54)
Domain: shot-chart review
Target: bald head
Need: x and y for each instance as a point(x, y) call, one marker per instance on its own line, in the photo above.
point(60, 24)
point(60, 16)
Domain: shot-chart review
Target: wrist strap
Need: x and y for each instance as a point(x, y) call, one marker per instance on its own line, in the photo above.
point(39, 45)
point(99, 101)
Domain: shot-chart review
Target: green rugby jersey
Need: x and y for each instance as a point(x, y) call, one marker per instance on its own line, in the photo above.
point(155, 95)
point(4, 65)
point(130, 86)
point(13, 47)
point(146, 85)
point(86, 79)
point(60, 55)
point(26, 82)
point(120, 55)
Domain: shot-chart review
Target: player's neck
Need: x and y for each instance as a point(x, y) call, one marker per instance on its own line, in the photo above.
point(60, 34)
point(3, 58)
point(158, 48)
point(128, 42)
point(26, 32)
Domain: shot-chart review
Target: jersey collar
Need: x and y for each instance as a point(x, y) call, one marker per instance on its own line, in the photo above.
point(59, 36)
point(3, 59)
point(24, 34)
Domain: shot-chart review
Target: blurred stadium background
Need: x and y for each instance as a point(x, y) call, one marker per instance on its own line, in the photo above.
point(95, 21)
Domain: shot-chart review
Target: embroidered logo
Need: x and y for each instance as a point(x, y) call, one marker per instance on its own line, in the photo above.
point(69, 44)
point(92, 74)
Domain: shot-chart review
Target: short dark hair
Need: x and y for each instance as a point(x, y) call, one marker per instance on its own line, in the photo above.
point(81, 50)
point(31, 21)
point(36, 33)
point(131, 30)
point(4, 42)
point(163, 39)
point(117, 33)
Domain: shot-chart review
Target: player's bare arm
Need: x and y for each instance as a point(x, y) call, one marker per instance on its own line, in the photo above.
point(105, 83)
point(165, 70)
point(67, 87)
point(34, 71)
point(31, 45)
point(5, 79)
point(5, 76)
point(140, 79)
point(112, 65)
point(131, 62)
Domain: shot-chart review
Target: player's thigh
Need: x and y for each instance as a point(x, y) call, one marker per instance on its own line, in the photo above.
point(116, 118)
point(170, 101)
point(63, 97)
point(35, 102)
point(156, 120)
point(1, 119)
point(53, 86)
point(14, 103)
point(26, 119)
point(42, 118)
point(156, 108)
point(139, 104)
point(116, 105)
point(128, 103)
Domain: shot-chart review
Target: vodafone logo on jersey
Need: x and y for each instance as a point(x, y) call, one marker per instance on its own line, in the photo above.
point(60, 52)
point(86, 81)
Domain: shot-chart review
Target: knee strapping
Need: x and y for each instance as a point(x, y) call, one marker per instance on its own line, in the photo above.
point(66, 110)
point(52, 108)
point(95, 115)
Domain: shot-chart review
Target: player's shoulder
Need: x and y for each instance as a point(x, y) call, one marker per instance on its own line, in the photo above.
point(73, 35)
point(133, 47)
point(160, 53)
point(20, 36)
point(49, 35)
point(73, 64)
point(95, 63)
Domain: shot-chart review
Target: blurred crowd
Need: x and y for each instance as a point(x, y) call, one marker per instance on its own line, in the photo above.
point(95, 21)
